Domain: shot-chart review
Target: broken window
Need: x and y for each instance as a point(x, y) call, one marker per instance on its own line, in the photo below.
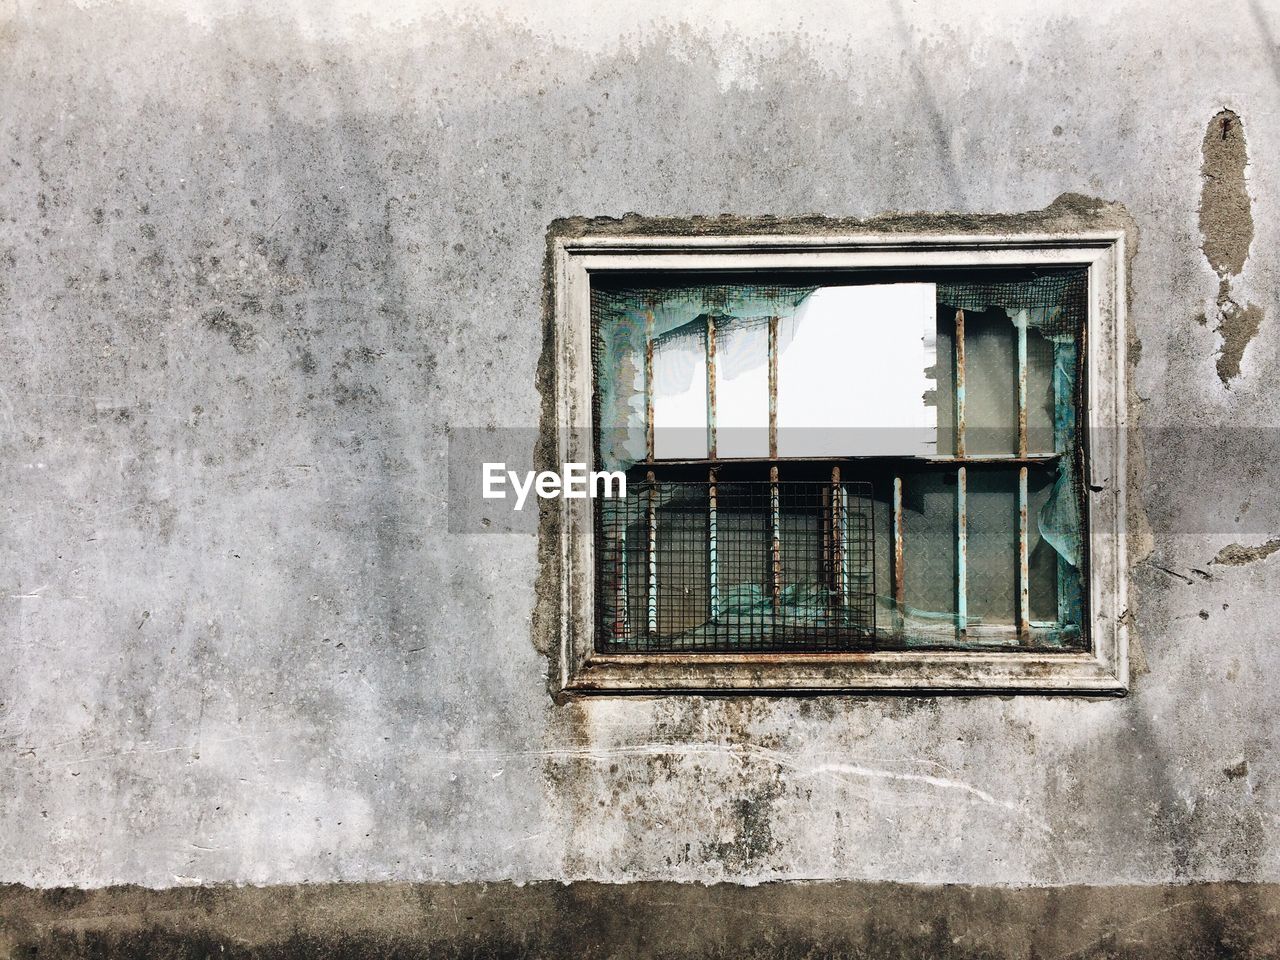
point(840, 463)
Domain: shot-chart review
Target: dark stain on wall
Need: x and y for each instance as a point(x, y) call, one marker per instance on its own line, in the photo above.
point(589, 920)
point(1226, 223)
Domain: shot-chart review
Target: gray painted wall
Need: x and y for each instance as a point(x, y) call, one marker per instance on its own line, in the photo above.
point(253, 269)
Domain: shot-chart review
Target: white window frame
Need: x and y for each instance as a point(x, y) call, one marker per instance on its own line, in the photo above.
point(1103, 669)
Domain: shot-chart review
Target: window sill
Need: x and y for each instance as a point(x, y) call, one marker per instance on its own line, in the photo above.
point(899, 671)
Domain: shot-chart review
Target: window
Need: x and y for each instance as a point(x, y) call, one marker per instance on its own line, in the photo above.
point(853, 463)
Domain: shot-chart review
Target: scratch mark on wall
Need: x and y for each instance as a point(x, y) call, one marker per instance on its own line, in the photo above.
point(842, 774)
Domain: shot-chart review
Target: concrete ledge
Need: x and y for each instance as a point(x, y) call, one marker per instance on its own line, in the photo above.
point(588, 920)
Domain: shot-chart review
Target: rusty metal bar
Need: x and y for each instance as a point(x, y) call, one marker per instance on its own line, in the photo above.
point(962, 504)
point(1024, 561)
point(773, 388)
point(622, 614)
point(962, 553)
point(824, 522)
point(711, 386)
point(837, 538)
point(648, 383)
point(960, 383)
point(1061, 434)
point(652, 555)
point(713, 572)
point(899, 564)
point(1022, 388)
point(775, 511)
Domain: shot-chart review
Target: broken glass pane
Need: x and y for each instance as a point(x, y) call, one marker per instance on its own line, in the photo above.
point(854, 368)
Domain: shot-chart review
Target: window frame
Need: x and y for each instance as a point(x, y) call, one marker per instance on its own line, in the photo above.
point(1102, 669)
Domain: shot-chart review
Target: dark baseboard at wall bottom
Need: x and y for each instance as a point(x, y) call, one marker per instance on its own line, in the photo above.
point(592, 920)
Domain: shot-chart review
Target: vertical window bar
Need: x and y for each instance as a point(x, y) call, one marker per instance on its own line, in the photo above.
point(824, 524)
point(713, 585)
point(651, 550)
point(775, 513)
point(837, 539)
point(844, 553)
point(962, 553)
point(960, 384)
point(652, 554)
point(1024, 560)
point(773, 388)
point(899, 560)
point(1060, 436)
point(1024, 531)
point(1022, 387)
point(962, 507)
point(711, 387)
point(713, 573)
point(648, 384)
point(622, 611)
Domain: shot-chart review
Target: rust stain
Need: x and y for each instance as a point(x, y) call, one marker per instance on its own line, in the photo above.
point(1024, 561)
point(773, 387)
point(711, 386)
point(648, 382)
point(777, 537)
point(652, 555)
point(899, 565)
point(960, 416)
point(837, 553)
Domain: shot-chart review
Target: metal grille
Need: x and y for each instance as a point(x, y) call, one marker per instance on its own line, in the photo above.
point(747, 566)
point(738, 566)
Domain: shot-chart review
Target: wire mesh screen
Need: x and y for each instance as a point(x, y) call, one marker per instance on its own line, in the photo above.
point(1060, 297)
point(736, 566)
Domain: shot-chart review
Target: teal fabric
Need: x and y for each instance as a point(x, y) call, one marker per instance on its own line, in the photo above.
point(621, 319)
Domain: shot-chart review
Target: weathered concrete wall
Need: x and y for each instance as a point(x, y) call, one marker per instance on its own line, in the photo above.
point(256, 267)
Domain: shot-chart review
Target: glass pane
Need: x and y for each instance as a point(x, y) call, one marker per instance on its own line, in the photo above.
point(680, 394)
point(802, 532)
point(742, 388)
point(852, 378)
point(1043, 559)
point(929, 548)
point(682, 559)
point(743, 541)
point(619, 365)
point(1039, 393)
point(991, 383)
point(992, 500)
point(944, 374)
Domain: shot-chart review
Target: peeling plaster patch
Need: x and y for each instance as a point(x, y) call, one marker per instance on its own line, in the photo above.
point(1237, 555)
point(1226, 220)
point(1226, 223)
point(1237, 325)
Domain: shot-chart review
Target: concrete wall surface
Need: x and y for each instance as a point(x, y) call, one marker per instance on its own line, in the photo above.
point(257, 263)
